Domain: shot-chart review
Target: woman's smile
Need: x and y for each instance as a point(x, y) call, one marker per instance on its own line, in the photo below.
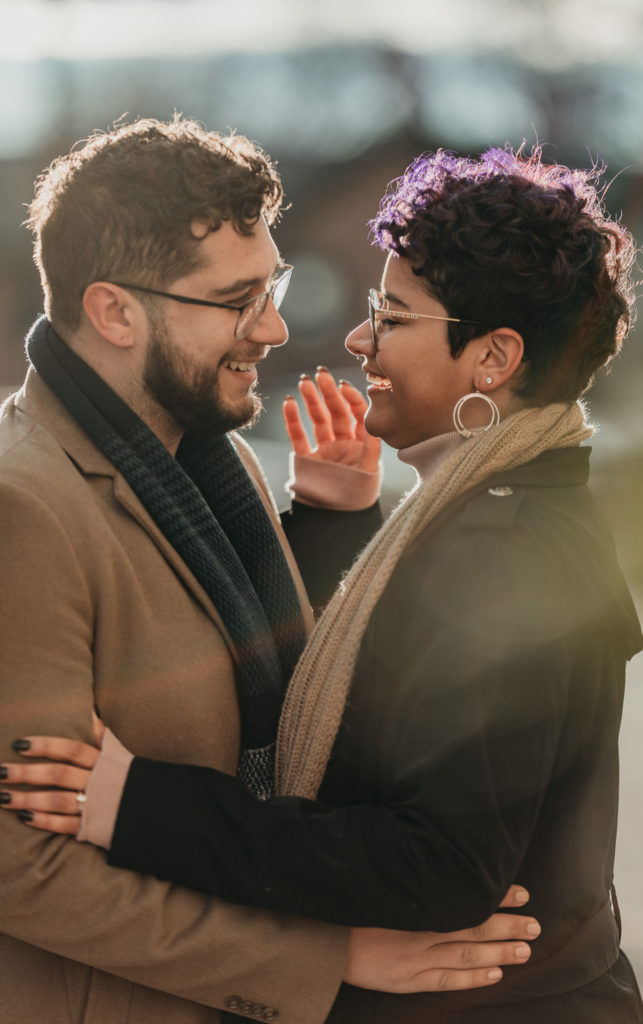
point(377, 383)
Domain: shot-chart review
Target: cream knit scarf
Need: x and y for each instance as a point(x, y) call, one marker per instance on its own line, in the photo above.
point(318, 690)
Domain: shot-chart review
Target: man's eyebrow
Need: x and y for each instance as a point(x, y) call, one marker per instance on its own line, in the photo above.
point(243, 285)
point(238, 287)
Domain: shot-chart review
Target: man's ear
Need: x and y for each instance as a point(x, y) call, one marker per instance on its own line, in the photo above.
point(499, 358)
point(112, 313)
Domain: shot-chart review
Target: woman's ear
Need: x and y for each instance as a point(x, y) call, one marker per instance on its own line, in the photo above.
point(111, 312)
point(499, 359)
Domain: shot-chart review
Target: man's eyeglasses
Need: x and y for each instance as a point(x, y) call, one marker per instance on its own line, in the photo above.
point(378, 306)
point(250, 312)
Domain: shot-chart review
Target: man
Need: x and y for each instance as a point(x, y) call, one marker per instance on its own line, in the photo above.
point(145, 571)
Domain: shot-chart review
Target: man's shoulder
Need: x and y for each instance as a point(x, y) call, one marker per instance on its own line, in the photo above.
point(27, 449)
point(42, 446)
point(35, 468)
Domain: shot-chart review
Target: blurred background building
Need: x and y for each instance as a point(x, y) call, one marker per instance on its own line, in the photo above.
point(343, 94)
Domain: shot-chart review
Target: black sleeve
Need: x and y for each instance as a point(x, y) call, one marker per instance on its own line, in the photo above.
point(471, 757)
point(325, 543)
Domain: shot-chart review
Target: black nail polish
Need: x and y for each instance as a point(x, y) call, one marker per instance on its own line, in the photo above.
point(304, 376)
point(4, 771)
point(25, 815)
point(5, 798)
point(20, 745)
point(323, 369)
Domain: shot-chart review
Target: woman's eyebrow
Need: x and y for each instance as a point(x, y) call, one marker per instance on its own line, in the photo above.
point(390, 297)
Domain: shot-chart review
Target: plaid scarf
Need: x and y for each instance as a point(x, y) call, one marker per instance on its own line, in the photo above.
point(207, 507)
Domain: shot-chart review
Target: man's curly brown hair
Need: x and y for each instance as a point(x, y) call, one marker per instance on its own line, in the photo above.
point(509, 241)
point(121, 207)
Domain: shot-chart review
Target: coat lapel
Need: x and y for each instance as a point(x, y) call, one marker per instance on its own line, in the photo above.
point(37, 401)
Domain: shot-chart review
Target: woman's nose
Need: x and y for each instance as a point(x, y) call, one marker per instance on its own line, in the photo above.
point(360, 341)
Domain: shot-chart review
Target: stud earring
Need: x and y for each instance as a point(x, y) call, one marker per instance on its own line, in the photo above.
point(488, 380)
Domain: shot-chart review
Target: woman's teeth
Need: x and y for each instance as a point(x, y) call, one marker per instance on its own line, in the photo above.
point(378, 381)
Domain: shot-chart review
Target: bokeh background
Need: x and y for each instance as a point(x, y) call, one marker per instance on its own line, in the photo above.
point(343, 94)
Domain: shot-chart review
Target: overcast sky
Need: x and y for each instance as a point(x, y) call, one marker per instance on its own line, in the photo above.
point(547, 32)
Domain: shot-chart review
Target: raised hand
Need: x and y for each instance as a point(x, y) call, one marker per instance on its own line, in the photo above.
point(395, 961)
point(337, 417)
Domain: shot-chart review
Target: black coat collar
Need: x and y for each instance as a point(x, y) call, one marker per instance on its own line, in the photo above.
point(561, 467)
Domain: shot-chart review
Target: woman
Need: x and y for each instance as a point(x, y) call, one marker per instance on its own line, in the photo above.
point(452, 725)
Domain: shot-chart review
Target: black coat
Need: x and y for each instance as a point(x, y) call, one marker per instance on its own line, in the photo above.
point(479, 748)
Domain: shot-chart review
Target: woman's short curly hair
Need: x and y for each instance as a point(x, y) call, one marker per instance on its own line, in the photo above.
point(121, 206)
point(509, 241)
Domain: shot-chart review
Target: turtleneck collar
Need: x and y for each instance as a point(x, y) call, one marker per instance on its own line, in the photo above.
point(426, 456)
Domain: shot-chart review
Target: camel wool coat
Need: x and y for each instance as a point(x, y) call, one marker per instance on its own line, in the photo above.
point(97, 608)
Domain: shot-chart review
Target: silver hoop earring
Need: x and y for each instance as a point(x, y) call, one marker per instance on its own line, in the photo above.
point(457, 417)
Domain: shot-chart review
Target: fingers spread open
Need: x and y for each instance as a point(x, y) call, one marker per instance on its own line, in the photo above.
point(340, 412)
point(318, 412)
point(295, 428)
point(372, 445)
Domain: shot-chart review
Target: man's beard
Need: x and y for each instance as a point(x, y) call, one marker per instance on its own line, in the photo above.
point(191, 396)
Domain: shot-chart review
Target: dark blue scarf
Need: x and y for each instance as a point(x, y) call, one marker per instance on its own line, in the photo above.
point(206, 505)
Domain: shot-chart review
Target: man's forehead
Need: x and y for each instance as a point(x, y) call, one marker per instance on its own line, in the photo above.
point(232, 260)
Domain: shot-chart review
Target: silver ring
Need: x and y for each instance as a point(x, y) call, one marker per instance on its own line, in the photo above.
point(81, 800)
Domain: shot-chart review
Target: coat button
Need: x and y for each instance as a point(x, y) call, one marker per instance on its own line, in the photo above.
point(500, 492)
point(233, 1002)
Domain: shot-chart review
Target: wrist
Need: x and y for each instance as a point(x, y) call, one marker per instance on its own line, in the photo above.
point(104, 791)
point(332, 485)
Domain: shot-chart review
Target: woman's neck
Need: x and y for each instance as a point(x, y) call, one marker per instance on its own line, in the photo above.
point(426, 456)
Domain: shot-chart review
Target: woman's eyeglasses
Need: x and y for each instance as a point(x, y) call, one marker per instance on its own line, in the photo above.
point(378, 306)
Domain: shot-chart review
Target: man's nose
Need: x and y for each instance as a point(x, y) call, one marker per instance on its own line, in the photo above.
point(271, 329)
point(360, 341)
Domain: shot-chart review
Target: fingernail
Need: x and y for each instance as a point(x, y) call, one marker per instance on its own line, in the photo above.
point(4, 771)
point(25, 815)
point(5, 798)
point(289, 398)
point(323, 369)
point(20, 745)
point(533, 928)
point(304, 376)
point(521, 896)
point(521, 952)
point(495, 974)
point(342, 381)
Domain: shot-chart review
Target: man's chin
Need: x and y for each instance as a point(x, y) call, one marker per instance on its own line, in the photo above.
point(249, 415)
point(221, 417)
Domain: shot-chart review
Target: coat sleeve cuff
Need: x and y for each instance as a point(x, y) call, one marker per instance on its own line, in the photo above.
point(104, 791)
point(332, 485)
